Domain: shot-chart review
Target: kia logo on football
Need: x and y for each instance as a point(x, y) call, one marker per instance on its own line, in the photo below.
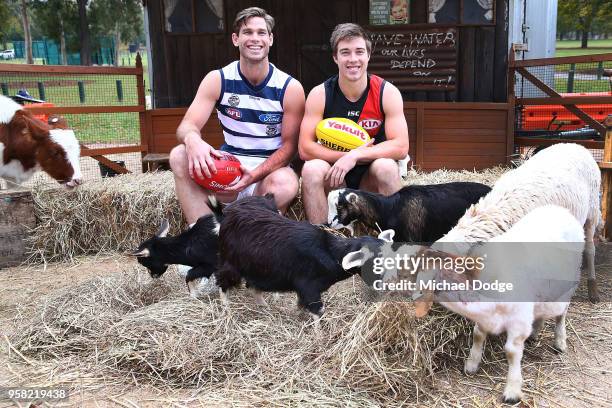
point(270, 117)
point(370, 124)
point(234, 113)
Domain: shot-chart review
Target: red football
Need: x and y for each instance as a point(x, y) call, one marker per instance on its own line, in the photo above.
point(228, 173)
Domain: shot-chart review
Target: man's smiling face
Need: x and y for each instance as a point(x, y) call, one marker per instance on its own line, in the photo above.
point(352, 58)
point(254, 40)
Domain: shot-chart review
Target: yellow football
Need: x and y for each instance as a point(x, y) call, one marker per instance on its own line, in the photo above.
point(341, 134)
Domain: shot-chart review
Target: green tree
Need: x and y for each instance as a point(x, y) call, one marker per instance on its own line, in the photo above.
point(587, 14)
point(125, 27)
point(11, 28)
point(58, 20)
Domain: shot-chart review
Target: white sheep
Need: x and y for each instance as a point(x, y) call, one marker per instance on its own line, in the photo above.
point(563, 174)
point(520, 320)
point(512, 255)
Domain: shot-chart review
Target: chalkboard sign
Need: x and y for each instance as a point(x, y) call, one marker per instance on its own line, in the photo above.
point(415, 59)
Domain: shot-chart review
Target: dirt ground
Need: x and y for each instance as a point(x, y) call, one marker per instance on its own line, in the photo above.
point(582, 377)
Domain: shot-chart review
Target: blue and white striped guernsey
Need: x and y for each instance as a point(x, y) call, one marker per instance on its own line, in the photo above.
point(251, 116)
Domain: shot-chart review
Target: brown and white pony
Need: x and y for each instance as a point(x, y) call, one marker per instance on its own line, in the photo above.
point(28, 144)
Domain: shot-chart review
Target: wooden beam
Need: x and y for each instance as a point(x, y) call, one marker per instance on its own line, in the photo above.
point(572, 108)
point(108, 163)
point(85, 151)
point(85, 109)
point(605, 165)
point(533, 141)
point(565, 100)
point(606, 202)
point(561, 60)
point(68, 69)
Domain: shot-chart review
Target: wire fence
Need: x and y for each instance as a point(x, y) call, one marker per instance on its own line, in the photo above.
point(102, 105)
point(589, 79)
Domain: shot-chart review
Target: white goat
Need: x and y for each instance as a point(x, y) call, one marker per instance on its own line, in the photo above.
point(564, 174)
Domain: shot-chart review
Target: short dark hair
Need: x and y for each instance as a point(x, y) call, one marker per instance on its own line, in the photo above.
point(247, 13)
point(349, 31)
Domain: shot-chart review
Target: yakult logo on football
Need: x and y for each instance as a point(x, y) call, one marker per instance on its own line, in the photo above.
point(370, 124)
point(345, 128)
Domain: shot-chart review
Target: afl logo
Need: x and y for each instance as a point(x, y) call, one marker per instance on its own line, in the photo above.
point(233, 100)
point(370, 124)
point(270, 117)
point(234, 113)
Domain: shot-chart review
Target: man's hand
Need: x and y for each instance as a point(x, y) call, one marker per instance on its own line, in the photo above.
point(200, 155)
point(343, 165)
point(246, 180)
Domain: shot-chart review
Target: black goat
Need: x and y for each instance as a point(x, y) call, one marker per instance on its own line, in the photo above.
point(417, 213)
point(197, 247)
point(275, 254)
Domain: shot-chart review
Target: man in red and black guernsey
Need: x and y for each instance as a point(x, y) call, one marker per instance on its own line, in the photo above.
point(370, 101)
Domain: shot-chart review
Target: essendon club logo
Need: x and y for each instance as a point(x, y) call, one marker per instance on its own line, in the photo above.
point(233, 112)
point(370, 124)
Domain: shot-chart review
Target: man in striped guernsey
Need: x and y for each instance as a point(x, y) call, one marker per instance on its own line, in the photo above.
point(260, 109)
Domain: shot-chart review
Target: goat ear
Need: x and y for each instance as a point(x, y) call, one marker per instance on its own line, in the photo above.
point(387, 235)
point(38, 129)
point(163, 229)
point(355, 259)
point(352, 198)
point(141, 253)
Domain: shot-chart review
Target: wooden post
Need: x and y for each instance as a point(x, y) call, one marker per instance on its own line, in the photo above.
point(606, 168)
point(16, 218)
point(140, 89)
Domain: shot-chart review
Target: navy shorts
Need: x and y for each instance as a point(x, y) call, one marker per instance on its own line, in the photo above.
point(354, 176)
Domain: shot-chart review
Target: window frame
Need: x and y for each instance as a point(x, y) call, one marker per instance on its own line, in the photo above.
point(194, 22)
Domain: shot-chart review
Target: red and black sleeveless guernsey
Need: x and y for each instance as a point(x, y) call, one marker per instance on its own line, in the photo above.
point(367, 111)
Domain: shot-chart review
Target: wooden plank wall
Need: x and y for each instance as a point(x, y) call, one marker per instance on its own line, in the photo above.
point(442, 135)
point(301, 36)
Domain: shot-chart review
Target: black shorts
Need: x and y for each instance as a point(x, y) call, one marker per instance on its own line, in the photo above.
point(354, 176)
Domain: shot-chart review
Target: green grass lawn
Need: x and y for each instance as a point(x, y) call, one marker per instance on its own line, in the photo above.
point(63, 90)
point(591, 44)
point(568, 48)
point(99, 90)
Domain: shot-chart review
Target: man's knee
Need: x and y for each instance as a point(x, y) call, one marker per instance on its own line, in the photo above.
point(382, 177)
point(281, 181)
point(178, 161)
point(384, 170)
point(314, 171)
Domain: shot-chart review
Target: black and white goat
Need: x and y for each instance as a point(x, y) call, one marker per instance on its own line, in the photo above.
point(197, 247)
point(417, 213)
point(275, 254)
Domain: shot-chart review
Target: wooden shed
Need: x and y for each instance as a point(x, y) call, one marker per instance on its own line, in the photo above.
point(448, 57)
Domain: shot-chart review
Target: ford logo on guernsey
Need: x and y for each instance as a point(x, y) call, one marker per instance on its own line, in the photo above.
point(270, 117)
point(233, 112)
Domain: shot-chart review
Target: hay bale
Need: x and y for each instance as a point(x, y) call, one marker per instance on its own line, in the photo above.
point(118, 213)
point(112, 215)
